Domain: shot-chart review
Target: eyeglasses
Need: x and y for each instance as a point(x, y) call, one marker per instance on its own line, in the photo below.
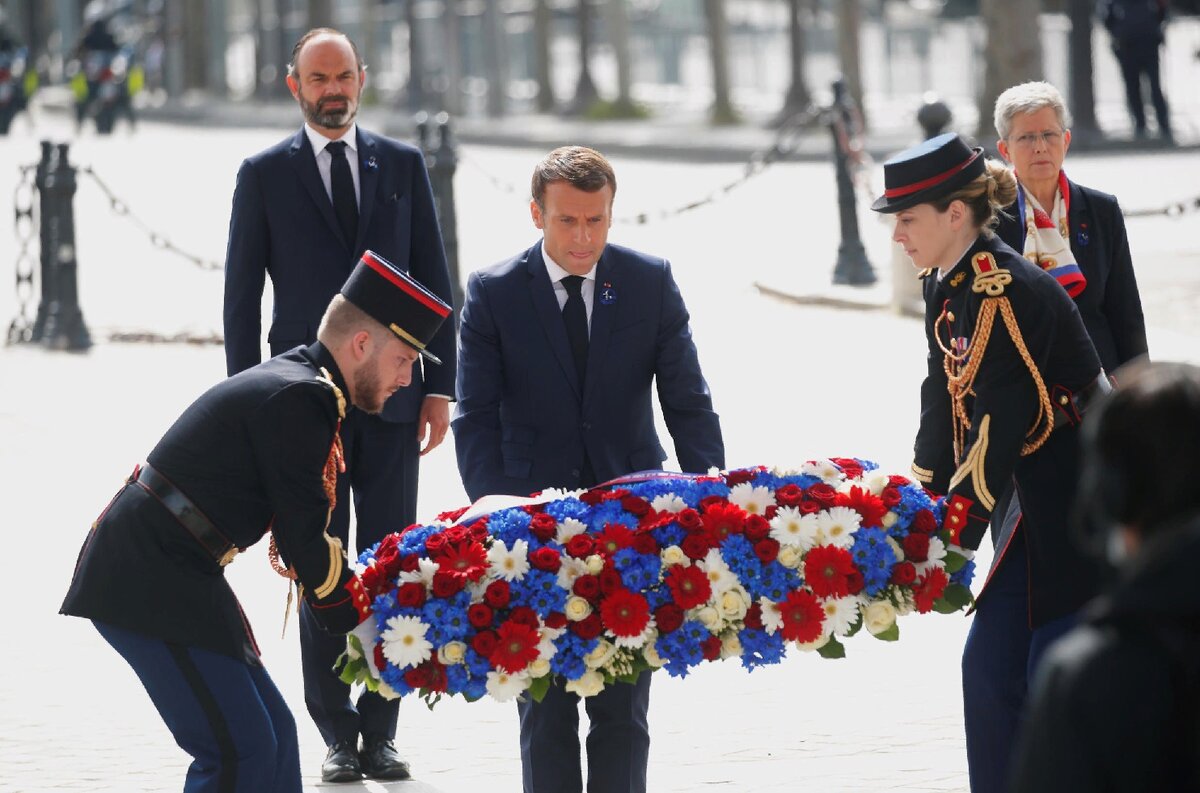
point(1030, 139)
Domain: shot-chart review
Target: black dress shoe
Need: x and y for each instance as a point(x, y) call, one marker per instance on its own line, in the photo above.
point(380, 760)
point(341, 763)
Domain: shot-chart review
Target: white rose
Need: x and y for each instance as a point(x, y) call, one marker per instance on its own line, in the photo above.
point(600, 655)
point(734, 604)
point(539, 668)
point(595, 563)
point(651, 656)
point(815, 644)
point(578, 609)
point(586, 685)
point(879, 616)
point(896, 548)
point(790, 556)
point(731, 645)
point(709, 617)
point(673, 554)
point(386, 691)
point(452, 653)
point(889, 520)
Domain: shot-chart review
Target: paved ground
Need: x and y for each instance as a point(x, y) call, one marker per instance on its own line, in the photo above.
point(790, 381)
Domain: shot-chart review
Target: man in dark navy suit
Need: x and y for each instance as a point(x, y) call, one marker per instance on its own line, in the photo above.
point(303, 211)
point(559, 349)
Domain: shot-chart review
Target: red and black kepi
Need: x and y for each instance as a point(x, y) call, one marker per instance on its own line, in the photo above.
point(391, 296)
point(927, 172)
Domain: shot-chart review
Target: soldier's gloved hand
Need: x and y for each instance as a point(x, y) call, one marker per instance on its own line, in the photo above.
point(342, 611)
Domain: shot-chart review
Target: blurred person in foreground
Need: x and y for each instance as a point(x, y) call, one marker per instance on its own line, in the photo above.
point(257, 453)
point(1116, 703)
point(1011, 371)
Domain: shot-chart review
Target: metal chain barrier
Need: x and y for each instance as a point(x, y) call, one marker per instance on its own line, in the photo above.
point(1170, 210)
point(21, 328)
point(159, 241)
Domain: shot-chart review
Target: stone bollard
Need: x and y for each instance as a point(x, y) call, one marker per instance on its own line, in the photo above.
point(441, 160)
point(49, 270)
point(64, 328)
point(852, 267)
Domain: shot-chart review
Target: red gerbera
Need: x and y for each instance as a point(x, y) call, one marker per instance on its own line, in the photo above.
point(802, 616)
point(614, 537)
point(516, 647)
point(625, 613)
point(467, 559)
point(723, 519)
point(865, 503)
point(929, 588)
point(689, 585)
point(827, 571)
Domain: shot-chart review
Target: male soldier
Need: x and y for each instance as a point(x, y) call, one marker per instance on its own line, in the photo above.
point(256, 453)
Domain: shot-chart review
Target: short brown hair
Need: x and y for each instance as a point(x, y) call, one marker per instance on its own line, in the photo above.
point(312, 34)
point(583, 168)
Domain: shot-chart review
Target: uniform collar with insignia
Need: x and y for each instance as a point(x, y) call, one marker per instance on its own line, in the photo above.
point(327, 369)
point(962, 275)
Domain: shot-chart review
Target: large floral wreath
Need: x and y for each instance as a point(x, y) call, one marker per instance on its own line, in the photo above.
point(651, 571)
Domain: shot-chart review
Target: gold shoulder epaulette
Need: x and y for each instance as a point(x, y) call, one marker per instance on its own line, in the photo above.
point(990, 278)
point(327, 379)
point(928, 271)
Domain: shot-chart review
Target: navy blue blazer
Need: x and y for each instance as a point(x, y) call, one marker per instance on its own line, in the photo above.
point(283, 224)
point(521, 424)
point(1110, 305)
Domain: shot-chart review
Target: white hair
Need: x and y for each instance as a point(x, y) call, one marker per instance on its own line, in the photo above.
point(1028, 98)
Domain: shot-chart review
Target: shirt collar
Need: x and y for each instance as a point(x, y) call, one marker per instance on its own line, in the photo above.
point(941, 274)
point(319, 141)
point(557, 273)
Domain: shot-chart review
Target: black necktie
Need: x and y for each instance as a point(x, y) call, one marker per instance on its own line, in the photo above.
point(575, 318)
point(345, 205)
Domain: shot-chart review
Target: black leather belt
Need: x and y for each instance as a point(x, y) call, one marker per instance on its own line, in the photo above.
point(1070, 406)
point(187, 513)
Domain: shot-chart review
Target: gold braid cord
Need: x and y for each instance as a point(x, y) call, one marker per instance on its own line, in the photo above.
point(963, 367)
point(335, 464)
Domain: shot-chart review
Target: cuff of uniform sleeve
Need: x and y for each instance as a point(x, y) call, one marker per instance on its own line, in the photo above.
point(359, 597)
point(441, 396)
point(964, 521)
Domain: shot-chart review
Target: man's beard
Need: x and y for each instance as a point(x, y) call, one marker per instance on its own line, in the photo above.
point(368, 393)
point(329, 119)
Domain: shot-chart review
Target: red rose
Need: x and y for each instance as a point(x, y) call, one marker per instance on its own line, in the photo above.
point(753, 618)
point(890, 496)
point(898, 481)
point(411, 595)
point(823, 494)
point(555, 620)
point(610, 580)
point(616, 494)
point(479, 615)
point(375, 580)
point(916, 547)
point(771, 511)
point(434, 544)
point(454, 514)
point(588, 627)
point(545, 558)
point(809, 507)
point(924, 522)
point(380, 659)
point(455, 535)
point(711, 647)
point(850, 467)
point(525, 616)
point(497, 594)
point(447, 585)
point(689, 519)
point(645, 543)
point(668, 617)
point(484, 642)
point(695, 545)
point(855, 582)
point(790, 495)
point(635, 505)
point(410, 563)
point(767, 550)
point(740, 476)
point(478, 530)
point(904, 573)
point(587, 587)
point(580, 546)
point(543, 526)
point(430, 676)
point(757, 528)
point(709, 502)
point(591, 497)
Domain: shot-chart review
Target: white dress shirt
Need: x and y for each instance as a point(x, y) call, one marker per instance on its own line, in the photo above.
point(325, 159)
point(587, 290)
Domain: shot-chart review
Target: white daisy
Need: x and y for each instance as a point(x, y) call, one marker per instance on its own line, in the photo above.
point(503, 687)
point(823, 469)
point(509, 565)
point(404, 642)
point(569, 570)
point(568, 529)
point(876, 480)
point(772, 618)
point(668, 502)
point(633, 642)
point(840, 615)
point(720, 577)
point(422, 575)
point(792, 527)
point(838, 525)
point(754, 500)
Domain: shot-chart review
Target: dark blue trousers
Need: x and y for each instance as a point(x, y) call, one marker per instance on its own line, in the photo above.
point(382, 460)
point(618, 740)
point(999, 660)
point(226, 714)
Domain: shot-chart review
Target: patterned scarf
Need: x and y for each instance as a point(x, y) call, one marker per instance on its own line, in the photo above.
point(1047, 236)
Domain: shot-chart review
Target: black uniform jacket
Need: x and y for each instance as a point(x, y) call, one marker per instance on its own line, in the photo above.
point(1003, 409)
point(250, 454)
point(1110, 304)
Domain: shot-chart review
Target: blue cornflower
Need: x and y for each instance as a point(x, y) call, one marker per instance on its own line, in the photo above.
point(760, 648)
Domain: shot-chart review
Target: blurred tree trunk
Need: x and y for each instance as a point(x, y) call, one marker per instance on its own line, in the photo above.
point(618, 33)
point(414, 91)
point(849, 22)
point(320, 14)
point(585, 89)
point(217, 44)
point(543, 26)
point(1012, 55)
point(718, 50)
point(1082, 99)
point(494, 59)
point(369, 47)
point(798, 96)
point(451, 57)
point(195, 53)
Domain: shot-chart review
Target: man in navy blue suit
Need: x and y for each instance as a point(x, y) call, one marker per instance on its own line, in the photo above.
point(559, 348)
point(304, 211)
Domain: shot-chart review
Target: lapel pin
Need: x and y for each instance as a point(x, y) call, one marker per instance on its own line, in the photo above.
point(372, 164)
point(608, 295)
point(1082, 236)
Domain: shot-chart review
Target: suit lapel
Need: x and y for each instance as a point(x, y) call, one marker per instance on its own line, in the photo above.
point(541, 291)
point(1077, 220)
point(601, 326)
point(305, 163)
point(368, 181)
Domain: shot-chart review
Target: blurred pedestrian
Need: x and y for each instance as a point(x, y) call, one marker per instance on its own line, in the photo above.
point(1011, 370)
point(255, 454)
point(560, 349)
point(304, 211)
point(1136, 27)
point(1116, 703)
